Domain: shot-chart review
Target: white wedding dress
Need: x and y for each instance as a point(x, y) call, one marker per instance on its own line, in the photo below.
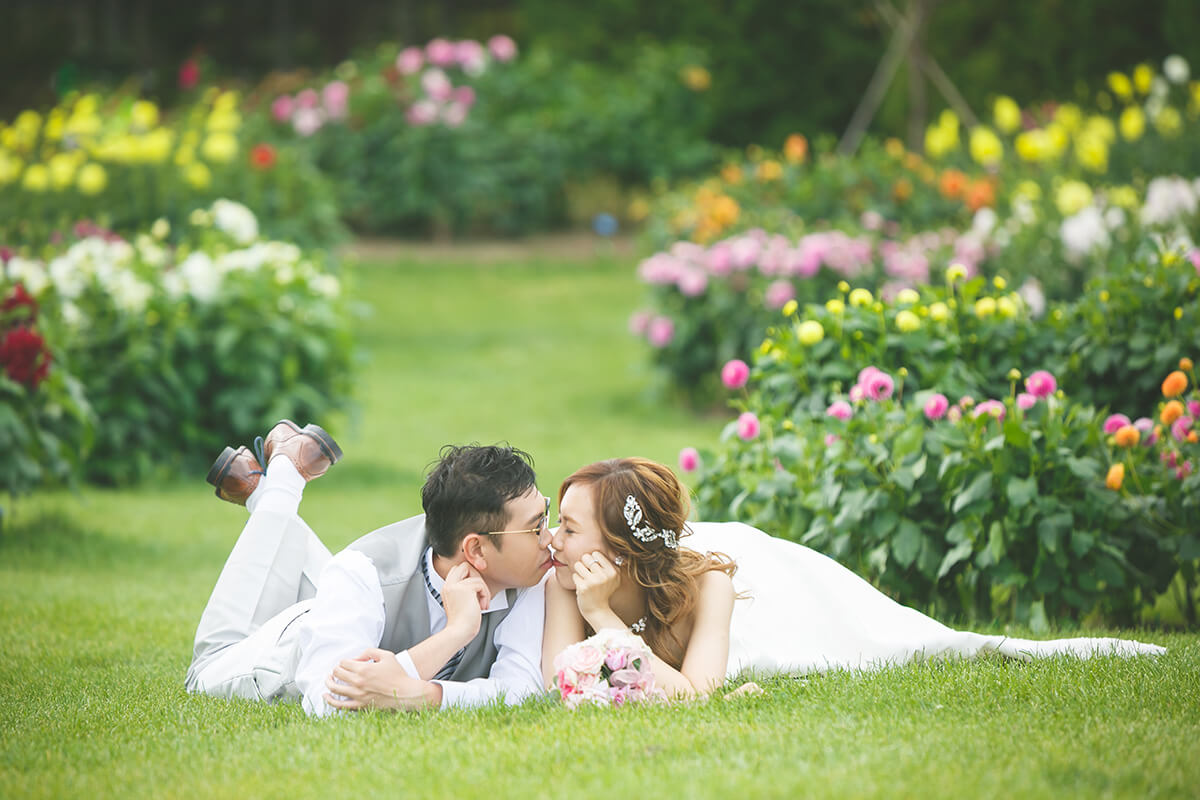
point(803, 612)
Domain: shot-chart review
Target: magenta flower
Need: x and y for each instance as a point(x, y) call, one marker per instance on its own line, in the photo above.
point(471, 56)
point(1193, 408)
point(692, 282)
point(336, 96)
point(1194, 257)
point(1168, 458)
point(638, 322)
point(410, 60)
point(735, 373)
point(1115, 422)
point(748, 426)
point(720, 259)
point(936, 406)
point(281, 108)
point(830, 438)
point(689, 459)
point(1041, 384)
point(1180, 428)
point(879, 386)
point(864, 374)
point(660, 332)
point(437, 85)
point(992, 407)
point(778, 293)
point(422, 112)
point(857, 393)
point(1026, 401)
point(308, 98)
point(502, 47)
point(840, 409)
point(464, 95)
point(440, 52)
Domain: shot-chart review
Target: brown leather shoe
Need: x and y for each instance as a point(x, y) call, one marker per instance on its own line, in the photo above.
point(235, 473)
point(310, 448)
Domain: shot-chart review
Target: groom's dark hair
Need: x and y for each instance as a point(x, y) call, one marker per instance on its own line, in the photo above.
point(466, 491)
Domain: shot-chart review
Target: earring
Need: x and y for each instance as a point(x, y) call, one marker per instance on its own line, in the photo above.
point(618, 560)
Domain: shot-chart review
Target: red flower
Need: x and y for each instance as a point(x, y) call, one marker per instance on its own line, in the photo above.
point(18, 298)
point(24, 356)
point(189, 74)
point(262, 156)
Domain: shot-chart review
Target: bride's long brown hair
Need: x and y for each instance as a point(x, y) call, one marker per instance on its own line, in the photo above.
point(669, 576)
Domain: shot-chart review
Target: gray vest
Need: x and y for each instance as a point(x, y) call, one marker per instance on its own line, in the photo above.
point(396, 551)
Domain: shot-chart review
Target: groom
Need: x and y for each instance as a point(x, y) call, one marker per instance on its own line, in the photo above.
point(442, 609)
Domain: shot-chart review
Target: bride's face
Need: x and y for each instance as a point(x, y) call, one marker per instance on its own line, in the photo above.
point(578, 533)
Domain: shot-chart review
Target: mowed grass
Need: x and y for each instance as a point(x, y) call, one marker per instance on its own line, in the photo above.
point(100, 592)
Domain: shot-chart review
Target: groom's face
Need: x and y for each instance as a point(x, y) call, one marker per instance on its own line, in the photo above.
point(522, 555)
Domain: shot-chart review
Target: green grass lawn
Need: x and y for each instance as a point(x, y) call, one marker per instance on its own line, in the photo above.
point(100, 592)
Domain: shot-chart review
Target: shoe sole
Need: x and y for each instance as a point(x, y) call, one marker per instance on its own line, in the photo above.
point(220, 467)
point(328, 446)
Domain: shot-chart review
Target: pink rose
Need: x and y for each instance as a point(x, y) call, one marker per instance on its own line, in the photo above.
point(735, 373)
point(437, 85)
point(616, 659)
point(308, 98)
point(281, 108)
point(619, 695)
point(624, 677)
point(689, 459)
point(936, 406)
point(1041, 384)
point(502, 47)
point(566, 680)
point(586, 659)
point(778, 293)
point(471, 57)
point(422, 112)
point(440, 52)
point(1115, 422)
point(638, 322)
point(1026, 401)
point(465, 96)
point(660, 332)
point(692, 282)
point(336, 96)
point(410, 60)
point(840, 409)
point(748, 426)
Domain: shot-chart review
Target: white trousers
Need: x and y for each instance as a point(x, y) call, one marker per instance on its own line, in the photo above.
point(246, 640)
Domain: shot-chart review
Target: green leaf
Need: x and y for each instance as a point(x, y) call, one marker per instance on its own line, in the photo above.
point(952, 557)
point(1037, 617)
point(918, 466)
point(1086, 468)
point(980, 488)
point(1051, 529)
point(1021, 491)
point(909, 441)
point(904, 478)
point(996, 541)
point(906, 543)
point(1189, 547)
point(1015, 433)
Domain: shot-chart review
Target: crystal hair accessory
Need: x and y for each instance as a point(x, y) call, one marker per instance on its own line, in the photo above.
point(634, 516)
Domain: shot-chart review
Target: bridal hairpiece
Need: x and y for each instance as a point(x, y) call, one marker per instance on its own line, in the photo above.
point(634, 516)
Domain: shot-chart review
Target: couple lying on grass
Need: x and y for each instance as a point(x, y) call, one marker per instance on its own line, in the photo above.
point(454, 607)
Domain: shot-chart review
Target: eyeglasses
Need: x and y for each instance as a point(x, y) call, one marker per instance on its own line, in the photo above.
point(542, 523)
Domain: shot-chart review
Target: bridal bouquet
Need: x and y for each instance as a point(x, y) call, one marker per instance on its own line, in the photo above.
point(610, 668)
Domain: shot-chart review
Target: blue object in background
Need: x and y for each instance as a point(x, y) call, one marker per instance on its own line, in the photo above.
point(604, 224)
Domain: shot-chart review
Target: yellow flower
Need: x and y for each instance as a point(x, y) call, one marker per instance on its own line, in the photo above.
point(985, 307)
point(185, 155)
point(731, 173)
point(56, 121)
point(790, 307)
point(907, 321)
point(10, 168)
point(835, 306)
point(810, 332)
point(1124, 196)
point(82, 125)
point(144, 114)
point(1058, 138)
point(985, 146)
point(220, 148)
point(37, 178)
point(940, 140)
point(1143, 76)
point(939, 312)
point(1006, 308)
point(956, 272)
point(1007, 114)
point(1092, 152)
point(62, 170)
point(225, 101)
point(908, 296)
point(1072, 197)
point(766, 346)
point(893, 147)
point(197, 175)
point(92, 179)
point(1169, 122)
point(1032, 145)
point(639, 209)
point(1029, 189)
point(1132, 124)
point(1105, 296)
point(1069, 116)
point(1101, 126)
point(860, 297)
point(696, 77)
point(843, 287)
point(770, 170)
point(1178, 313)
point(223, 121)
point(1120, 84)
point(999, 283)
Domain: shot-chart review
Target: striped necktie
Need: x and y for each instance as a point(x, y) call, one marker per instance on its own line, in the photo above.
point(446, 671)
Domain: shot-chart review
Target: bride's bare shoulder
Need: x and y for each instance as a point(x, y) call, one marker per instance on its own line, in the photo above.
point(715, 583)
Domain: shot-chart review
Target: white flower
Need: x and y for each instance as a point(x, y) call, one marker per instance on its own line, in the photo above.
point(129, 293)
point(236, 220)
point(1031, 292)
point(69, 277)
point(1168, 199)
point(160, 229)
point(30, 273)
point(200, 218)
point(1114, 218)
point(1024, 211)
point(71, 314)
point(174, 284)
point(984, 221)
point(325, 285)
point(1175, 67)
point(1159, 88)
point(1084, 232)
point(151, 251)
point(201, 277)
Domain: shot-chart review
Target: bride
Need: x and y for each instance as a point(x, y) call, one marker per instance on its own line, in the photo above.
point(714, 600)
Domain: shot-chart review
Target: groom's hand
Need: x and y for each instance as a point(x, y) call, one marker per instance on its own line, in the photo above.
point(464, 597)
point(376, 680)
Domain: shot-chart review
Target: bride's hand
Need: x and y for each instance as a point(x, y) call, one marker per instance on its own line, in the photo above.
point(595, 581)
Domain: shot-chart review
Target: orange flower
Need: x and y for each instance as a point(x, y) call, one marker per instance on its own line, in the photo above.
point(1174, 384)
point(1192, 437)
point(913, 161)
point(1171, 412)
point(902, 190)
point(952, 183)
point(795, 149)
point(980, 194)
point(262, 156)
point(1185, 364)
point(731, 173)
point(1116, 476)
point(769, 170)
point(1127, 436)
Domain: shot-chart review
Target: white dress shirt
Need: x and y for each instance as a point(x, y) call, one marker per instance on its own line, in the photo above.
point(347, 617)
